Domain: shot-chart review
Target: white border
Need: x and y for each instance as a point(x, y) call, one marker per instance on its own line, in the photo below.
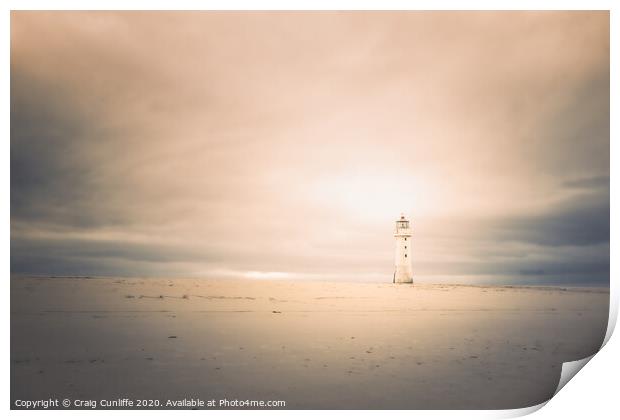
point(597, 382)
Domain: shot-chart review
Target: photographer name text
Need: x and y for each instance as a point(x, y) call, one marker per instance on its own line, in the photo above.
point(128, 403)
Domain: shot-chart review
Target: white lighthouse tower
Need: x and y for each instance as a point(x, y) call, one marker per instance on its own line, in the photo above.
point(403, 273)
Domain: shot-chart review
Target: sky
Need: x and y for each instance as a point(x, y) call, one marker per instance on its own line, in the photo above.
point(286, 144)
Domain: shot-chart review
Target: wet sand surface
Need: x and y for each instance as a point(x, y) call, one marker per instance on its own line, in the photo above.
point(312, 344)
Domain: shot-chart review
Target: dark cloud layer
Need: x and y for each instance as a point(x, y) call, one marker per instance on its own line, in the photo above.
point(284, 144)
point(581, 221)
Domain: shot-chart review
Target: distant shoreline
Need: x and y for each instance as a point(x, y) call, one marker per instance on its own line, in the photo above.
point(594, 288)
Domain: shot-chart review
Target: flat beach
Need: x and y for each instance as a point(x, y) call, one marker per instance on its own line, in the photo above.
point(315, 345)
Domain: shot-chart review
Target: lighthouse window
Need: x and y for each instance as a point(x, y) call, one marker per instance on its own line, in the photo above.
point(405, 255)
point(405, 246)
point(405, 239)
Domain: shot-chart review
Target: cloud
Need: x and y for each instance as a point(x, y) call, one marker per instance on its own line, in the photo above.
point(594, 183)
point(579, 222)
point(192, 143)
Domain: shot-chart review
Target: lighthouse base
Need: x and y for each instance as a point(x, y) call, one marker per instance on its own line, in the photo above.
point(401, 278)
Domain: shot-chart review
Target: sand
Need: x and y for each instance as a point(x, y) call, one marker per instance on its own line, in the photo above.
point(310, 344)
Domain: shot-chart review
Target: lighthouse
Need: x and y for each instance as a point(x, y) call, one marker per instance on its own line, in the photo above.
point(403, 273)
